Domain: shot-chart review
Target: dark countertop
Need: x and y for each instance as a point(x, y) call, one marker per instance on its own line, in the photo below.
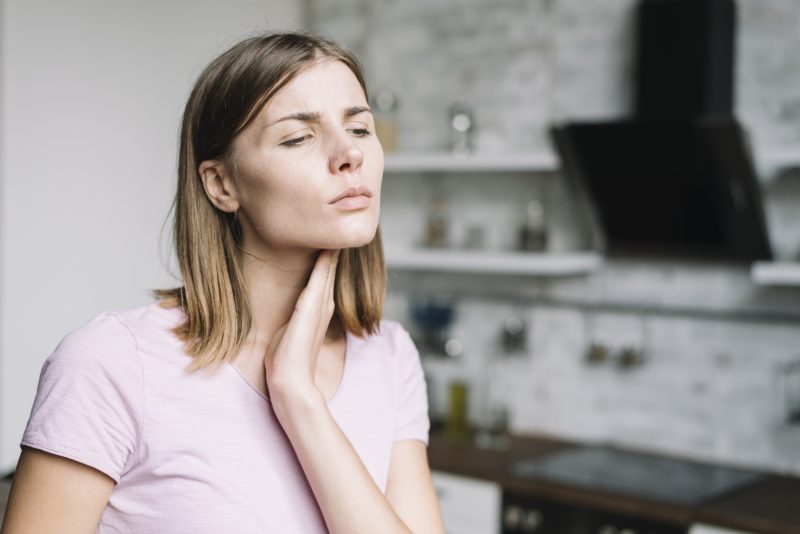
point(769, 506)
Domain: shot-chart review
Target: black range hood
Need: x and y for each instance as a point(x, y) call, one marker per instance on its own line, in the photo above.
point(677, 179)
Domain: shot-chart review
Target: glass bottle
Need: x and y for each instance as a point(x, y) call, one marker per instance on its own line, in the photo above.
point(533, 231)
point(457, 426)
point(385, 106)
point(438, 223)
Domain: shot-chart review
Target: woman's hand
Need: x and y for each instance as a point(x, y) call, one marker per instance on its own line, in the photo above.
point(290, 360)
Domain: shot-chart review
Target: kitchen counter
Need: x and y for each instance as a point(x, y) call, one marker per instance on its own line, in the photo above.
point(769, 506)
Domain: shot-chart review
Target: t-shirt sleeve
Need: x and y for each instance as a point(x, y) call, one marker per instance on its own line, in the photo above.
point(89, 400)
point(413, 421)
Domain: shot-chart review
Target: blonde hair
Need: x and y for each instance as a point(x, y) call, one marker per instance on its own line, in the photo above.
point(229, 93)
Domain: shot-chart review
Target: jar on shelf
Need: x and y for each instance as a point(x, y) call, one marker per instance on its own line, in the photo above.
point(462, 129)
point(437, 230)
point(532, 235)
point(384, 106)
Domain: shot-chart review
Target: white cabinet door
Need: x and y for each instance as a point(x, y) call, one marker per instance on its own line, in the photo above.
point(699, 528)
point(469, 505)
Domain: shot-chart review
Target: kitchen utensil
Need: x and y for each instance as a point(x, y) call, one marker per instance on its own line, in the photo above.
point(462, 128)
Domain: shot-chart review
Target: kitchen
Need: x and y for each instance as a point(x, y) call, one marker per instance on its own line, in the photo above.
point(574, 388)
point(664, 357)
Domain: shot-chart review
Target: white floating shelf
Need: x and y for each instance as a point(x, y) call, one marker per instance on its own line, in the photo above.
point(483, 262)
point(411, 162)
point(781, 158)
point(771, 162)
point(776, 273)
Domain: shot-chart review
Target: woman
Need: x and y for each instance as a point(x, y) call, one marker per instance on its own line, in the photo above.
point(265, 394)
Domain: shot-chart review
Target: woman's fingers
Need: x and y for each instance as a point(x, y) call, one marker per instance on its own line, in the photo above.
point(317, 282)
point(292, 359)
point(312, 312)
point(328, 295)
point(321, 284)
point(325, 301)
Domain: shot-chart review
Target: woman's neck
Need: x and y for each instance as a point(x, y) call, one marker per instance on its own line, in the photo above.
point(273, 282)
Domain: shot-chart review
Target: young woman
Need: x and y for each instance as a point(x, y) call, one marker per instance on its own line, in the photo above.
point(265, 394)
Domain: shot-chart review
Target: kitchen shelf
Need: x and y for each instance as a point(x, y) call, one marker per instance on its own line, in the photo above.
point(500, 262)
point(786, 273)
point(418, 162)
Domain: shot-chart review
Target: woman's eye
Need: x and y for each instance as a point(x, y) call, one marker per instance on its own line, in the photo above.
point(360, 132)
point(295, 141)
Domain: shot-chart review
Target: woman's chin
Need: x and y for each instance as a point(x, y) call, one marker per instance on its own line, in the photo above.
point(354, 237)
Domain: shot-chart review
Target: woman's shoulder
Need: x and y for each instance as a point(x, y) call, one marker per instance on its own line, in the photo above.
point(393, 335)
point(102, 330)
point(110, 332)
point(387, 329)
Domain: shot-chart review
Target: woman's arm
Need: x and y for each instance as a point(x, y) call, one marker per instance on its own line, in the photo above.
point(52, 494)
point(410, 489)
point(350, 500)
point(348, 497)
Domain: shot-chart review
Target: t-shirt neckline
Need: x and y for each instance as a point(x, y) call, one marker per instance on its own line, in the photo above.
point(350, 340)
point(342, 380)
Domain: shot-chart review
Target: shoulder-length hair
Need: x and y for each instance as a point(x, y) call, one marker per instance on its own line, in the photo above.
point(229, 93)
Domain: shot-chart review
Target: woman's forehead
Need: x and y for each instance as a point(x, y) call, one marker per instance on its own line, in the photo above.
point(323, 86)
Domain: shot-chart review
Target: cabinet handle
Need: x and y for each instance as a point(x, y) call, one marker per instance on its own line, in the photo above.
point(532, 521)
point(512, 516)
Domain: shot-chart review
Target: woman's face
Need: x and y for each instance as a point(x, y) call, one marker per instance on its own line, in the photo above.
point(314, 139)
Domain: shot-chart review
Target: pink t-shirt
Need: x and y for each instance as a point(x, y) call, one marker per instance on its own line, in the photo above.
point(204, 453)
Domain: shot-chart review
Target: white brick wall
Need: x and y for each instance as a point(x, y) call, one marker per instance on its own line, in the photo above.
point(709, 388)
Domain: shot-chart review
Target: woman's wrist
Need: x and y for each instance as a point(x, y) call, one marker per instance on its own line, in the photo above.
point(295, 400)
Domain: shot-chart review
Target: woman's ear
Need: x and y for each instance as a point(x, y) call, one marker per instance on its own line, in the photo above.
point(219, 185)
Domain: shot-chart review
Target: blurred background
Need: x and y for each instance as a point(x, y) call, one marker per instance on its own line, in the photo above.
point(591, 214)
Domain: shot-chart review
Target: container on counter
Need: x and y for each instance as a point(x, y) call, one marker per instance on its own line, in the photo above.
point(475, 238)
point(492, 428)
point(456, 426)
point(385, 106)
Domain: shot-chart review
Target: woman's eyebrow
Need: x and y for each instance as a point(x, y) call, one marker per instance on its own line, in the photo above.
point(355, 110)
point(313, 116)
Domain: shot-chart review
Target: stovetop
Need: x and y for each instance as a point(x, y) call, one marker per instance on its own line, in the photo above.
point(655, 477)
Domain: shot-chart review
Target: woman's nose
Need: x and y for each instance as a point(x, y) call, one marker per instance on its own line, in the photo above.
point(346, 156)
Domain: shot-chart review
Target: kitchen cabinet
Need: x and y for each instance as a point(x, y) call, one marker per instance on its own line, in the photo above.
point(469, 505)
point(708, 529)
point(546, 264)
point(767, 506)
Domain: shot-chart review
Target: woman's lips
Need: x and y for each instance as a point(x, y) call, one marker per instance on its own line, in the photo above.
point(352, 203)
point(352, 191)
